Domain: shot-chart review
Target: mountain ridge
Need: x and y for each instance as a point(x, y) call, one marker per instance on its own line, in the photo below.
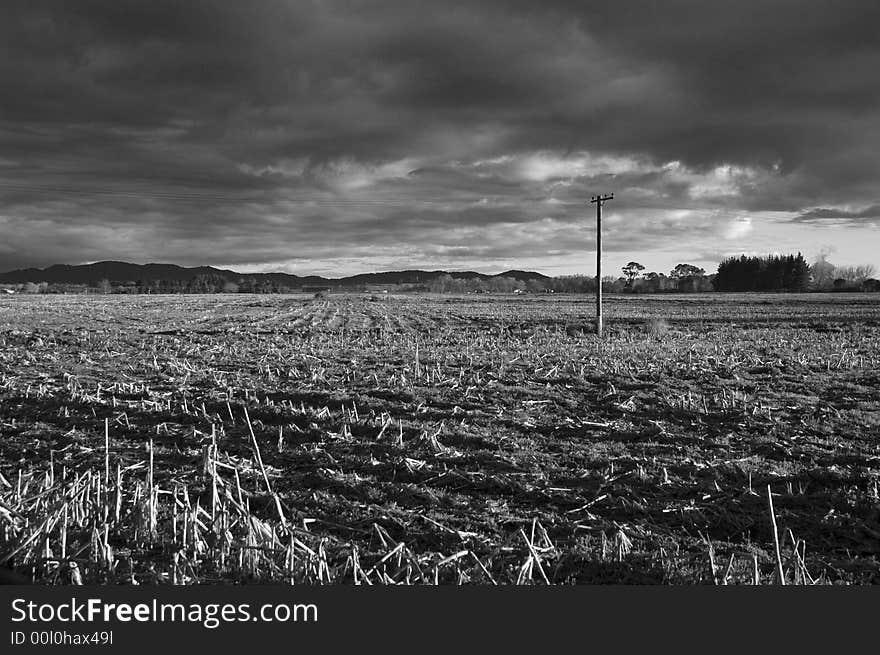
point(119, 271)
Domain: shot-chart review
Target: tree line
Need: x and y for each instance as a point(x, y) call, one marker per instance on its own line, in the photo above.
point(770, 273)
point(204, 283)
point(792, 273)
point(826, 276)
point(753, 273)
point(684, 278)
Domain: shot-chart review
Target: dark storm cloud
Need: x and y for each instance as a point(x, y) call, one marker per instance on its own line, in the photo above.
point(249, 133)
point(825, 213)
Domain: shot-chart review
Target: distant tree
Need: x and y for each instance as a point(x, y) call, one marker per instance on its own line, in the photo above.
point(230, 287)
point(799, 279)
point(460, 285)
point(865, 271)
point(651, 282)
point(573, 284)
point(104, 286)
point(441, 284)
point(535, 286)
point(771, 273)
point(658, 282)
point(871, 285)
point(207, 283)
point(686, 270)
point(30, 287)
point(822, 273)
point(632, 270)
point(505, 284)
point(614, 285)
point(688, 278)
point(479, 285)
point(854, 273)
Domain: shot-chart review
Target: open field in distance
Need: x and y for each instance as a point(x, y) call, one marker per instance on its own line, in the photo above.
point(440, 439)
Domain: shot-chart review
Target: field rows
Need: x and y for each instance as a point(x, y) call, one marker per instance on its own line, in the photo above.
point(414, 439)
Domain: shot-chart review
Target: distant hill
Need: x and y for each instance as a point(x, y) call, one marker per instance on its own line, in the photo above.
point(114, 271)
point(117, 272)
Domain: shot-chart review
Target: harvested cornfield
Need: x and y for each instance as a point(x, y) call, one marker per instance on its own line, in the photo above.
point(413, 439)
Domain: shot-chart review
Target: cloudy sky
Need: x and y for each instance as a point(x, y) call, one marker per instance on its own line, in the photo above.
point(337, 137)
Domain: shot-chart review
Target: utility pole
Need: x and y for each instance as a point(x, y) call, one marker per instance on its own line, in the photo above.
point(599, 200)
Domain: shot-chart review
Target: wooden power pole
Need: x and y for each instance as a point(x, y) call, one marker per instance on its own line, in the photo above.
point(599, 200)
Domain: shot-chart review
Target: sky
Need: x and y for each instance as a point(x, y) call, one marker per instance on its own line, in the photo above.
point(337, 137)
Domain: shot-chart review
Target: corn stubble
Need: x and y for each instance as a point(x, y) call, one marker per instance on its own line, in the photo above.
point(437, 441)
